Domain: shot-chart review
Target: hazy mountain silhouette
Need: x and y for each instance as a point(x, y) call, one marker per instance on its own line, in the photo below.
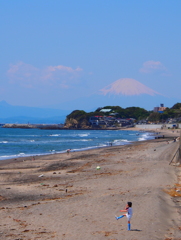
point(23, 114)
point(124, 92)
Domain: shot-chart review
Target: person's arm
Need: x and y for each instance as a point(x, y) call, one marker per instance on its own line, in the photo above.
point(123, 210)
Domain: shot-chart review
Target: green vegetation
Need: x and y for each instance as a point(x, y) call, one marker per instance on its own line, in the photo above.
point(154, 117)
point(79, 117)
point(116, 111)
point(177, 106)
point(130, 112)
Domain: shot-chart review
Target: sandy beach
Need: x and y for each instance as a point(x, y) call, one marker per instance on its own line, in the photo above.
point(65, 197)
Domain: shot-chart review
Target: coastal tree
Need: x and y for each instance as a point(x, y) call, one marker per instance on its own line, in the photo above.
point(136, 112)
point(154, 117)
point(176, 106)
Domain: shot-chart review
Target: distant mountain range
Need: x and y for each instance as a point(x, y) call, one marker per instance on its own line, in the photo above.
point(22, 114)
point(124, 92)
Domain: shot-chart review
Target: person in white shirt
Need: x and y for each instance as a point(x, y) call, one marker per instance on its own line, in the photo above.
point(128, 214)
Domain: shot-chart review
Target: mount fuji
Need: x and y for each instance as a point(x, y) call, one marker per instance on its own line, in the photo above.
point(128, 87)
point(125, 92)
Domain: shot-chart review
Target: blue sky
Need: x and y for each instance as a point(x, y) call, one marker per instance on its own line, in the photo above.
point(56, 51)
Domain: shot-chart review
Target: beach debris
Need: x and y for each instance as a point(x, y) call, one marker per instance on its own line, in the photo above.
point(17, 220)
point(98, 168)
point(41, 175)
point(173, 192)
point(44, 185)
point(55, 185)
point(54, 173)
point(1, 199)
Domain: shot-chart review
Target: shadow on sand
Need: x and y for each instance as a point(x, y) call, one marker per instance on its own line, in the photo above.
point(137, 230)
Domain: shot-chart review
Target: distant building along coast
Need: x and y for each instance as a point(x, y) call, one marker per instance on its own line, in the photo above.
point(160, 109)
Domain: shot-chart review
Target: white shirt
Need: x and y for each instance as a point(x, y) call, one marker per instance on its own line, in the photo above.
point(130, 212)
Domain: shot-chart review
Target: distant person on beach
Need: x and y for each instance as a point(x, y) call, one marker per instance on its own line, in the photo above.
point(68, 151)
point(128, 213)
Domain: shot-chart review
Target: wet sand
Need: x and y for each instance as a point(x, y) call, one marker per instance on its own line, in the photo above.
point(64, 196)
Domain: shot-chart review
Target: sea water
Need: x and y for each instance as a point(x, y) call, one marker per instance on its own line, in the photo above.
point(16, 142)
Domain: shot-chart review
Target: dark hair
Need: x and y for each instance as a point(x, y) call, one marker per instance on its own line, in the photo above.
point(129, 204)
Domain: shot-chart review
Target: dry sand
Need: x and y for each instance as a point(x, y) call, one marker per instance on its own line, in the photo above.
point(64, 197)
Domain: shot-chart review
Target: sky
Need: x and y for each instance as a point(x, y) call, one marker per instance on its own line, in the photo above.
point(54, 52)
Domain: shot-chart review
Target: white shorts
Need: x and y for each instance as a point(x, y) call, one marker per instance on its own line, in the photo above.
point(128, 217)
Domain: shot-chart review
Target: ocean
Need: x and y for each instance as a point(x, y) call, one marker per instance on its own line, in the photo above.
point(16, 142)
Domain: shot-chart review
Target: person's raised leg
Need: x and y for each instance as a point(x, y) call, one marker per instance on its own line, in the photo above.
point(120, 216)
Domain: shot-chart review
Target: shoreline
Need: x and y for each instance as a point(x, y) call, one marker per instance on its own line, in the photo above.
point(75, 149)
point(25, 158)
point(168, 134)
point(64, 196)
